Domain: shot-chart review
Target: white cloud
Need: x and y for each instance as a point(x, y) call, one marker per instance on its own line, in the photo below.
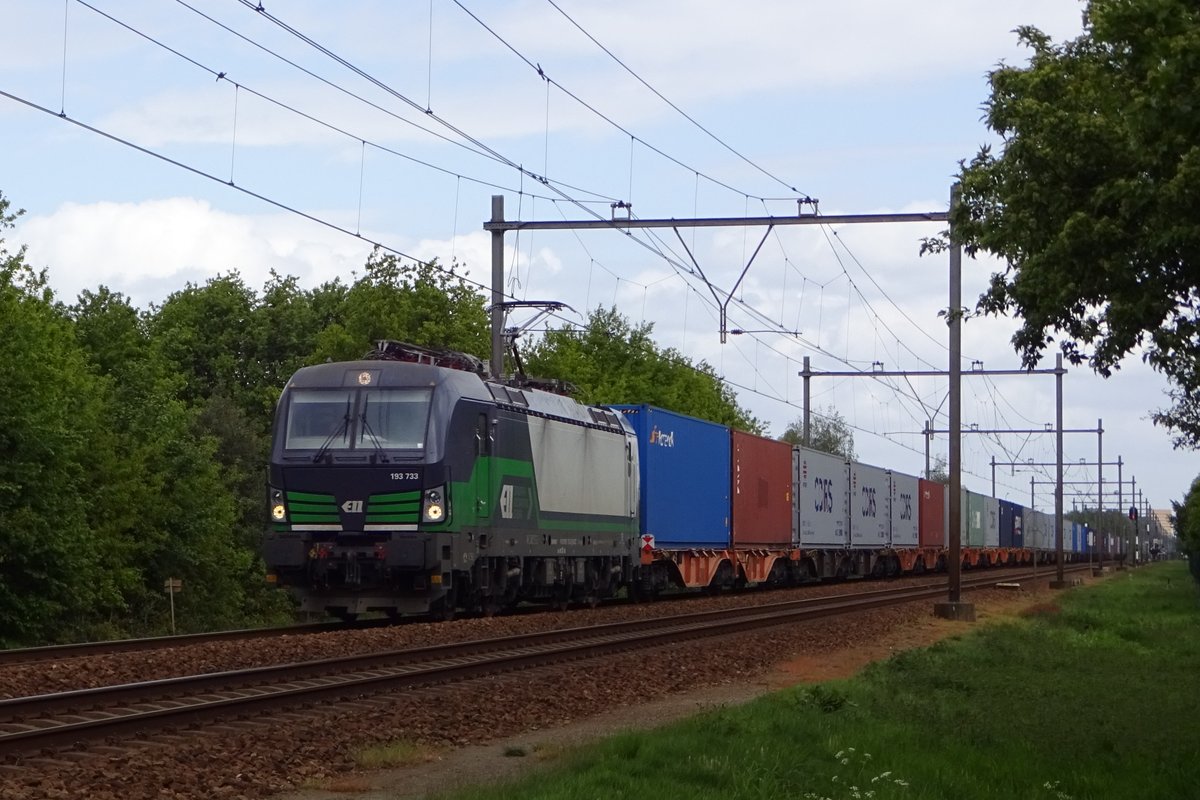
point(139, 248)
point(697, 49)
point(697, 53)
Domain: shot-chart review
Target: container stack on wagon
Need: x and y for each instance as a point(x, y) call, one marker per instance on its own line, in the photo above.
point(722, 508)
point(761, 506)
point(685, 492)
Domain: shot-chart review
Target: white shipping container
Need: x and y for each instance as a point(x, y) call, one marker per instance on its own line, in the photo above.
point(822, 486)
point(991, 522)
point(870, 502)
point(904, 510)
point(1046, 527)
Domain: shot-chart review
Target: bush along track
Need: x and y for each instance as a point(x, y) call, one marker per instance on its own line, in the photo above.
point(1090, 697)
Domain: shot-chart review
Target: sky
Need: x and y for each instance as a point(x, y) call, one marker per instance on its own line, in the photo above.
point(156, 144)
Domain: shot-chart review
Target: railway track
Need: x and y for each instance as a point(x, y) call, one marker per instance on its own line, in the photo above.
point(55, 721)
point(61, 652)
point(34, 655)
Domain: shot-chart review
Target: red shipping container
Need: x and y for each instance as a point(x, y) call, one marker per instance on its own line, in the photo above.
point(762, 491)
point(932, 513)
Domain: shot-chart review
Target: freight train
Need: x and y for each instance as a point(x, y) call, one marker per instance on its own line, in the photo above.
point(409, 483)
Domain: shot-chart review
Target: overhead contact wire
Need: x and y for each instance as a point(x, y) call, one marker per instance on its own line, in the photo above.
point(618, 126)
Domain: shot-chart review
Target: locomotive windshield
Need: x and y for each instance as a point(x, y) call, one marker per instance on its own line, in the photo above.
point(393, 418)
point(319, 418)
point(349, 419)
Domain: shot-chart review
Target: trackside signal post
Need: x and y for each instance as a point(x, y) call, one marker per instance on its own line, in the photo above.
point(498, 226)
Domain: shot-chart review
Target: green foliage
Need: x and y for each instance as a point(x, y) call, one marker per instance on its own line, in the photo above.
point(207, 334)
point(51, 439)
point(1187, 526)
point(612, 361)
point(828, 432)
point(1093, 198)
point(417, 303)
point(939, 471)
point(173, 504)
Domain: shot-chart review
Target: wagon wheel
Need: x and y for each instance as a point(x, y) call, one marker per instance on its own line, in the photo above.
point(443, 610)
point(560, 598)
point(592, 591)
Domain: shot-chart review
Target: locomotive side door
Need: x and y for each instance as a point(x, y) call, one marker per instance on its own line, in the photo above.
point(485, 440)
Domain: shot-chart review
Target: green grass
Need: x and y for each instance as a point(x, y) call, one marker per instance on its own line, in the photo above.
point(399, 753)
point(1100, 700)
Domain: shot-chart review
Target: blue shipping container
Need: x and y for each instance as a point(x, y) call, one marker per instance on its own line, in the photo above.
point(685, 472)
point(1006, 523)
point(1012, 524)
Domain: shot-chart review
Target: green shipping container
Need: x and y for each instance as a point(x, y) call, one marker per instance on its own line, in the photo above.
point(976, 519)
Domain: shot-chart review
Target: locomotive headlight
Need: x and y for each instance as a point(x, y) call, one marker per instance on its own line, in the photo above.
point(434, 508)
point(278, 509)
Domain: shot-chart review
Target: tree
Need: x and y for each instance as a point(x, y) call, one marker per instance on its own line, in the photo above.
point(207, 333)
point(610, 360)
point(51, 439)
point(1186, 520)
point(828, 432)
point(419, 303)
point(939, 471)
point(175, 502)
point(1092, 200)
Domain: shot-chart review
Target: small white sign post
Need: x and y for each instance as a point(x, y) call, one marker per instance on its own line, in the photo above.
point(171, 586)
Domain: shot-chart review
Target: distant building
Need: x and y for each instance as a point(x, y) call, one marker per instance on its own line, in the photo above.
point(1164, 520)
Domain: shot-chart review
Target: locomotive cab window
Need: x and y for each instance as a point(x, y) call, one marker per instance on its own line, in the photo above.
point(371, 419)
point(393, 418)
point(319, 418)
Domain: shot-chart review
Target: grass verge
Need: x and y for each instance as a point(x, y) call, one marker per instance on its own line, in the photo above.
point(399, 753)
point(1098, 700)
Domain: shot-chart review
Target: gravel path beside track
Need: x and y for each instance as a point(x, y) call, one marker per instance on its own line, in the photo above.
point(315, 748)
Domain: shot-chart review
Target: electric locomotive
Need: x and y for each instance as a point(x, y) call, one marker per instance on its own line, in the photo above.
point(408, 483)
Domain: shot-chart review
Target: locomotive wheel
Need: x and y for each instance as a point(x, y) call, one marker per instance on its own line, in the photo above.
point(560, 598)
point(443, 611)
point(591, 599)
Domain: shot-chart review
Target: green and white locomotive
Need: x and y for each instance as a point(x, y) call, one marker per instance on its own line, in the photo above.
point(407, 483)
